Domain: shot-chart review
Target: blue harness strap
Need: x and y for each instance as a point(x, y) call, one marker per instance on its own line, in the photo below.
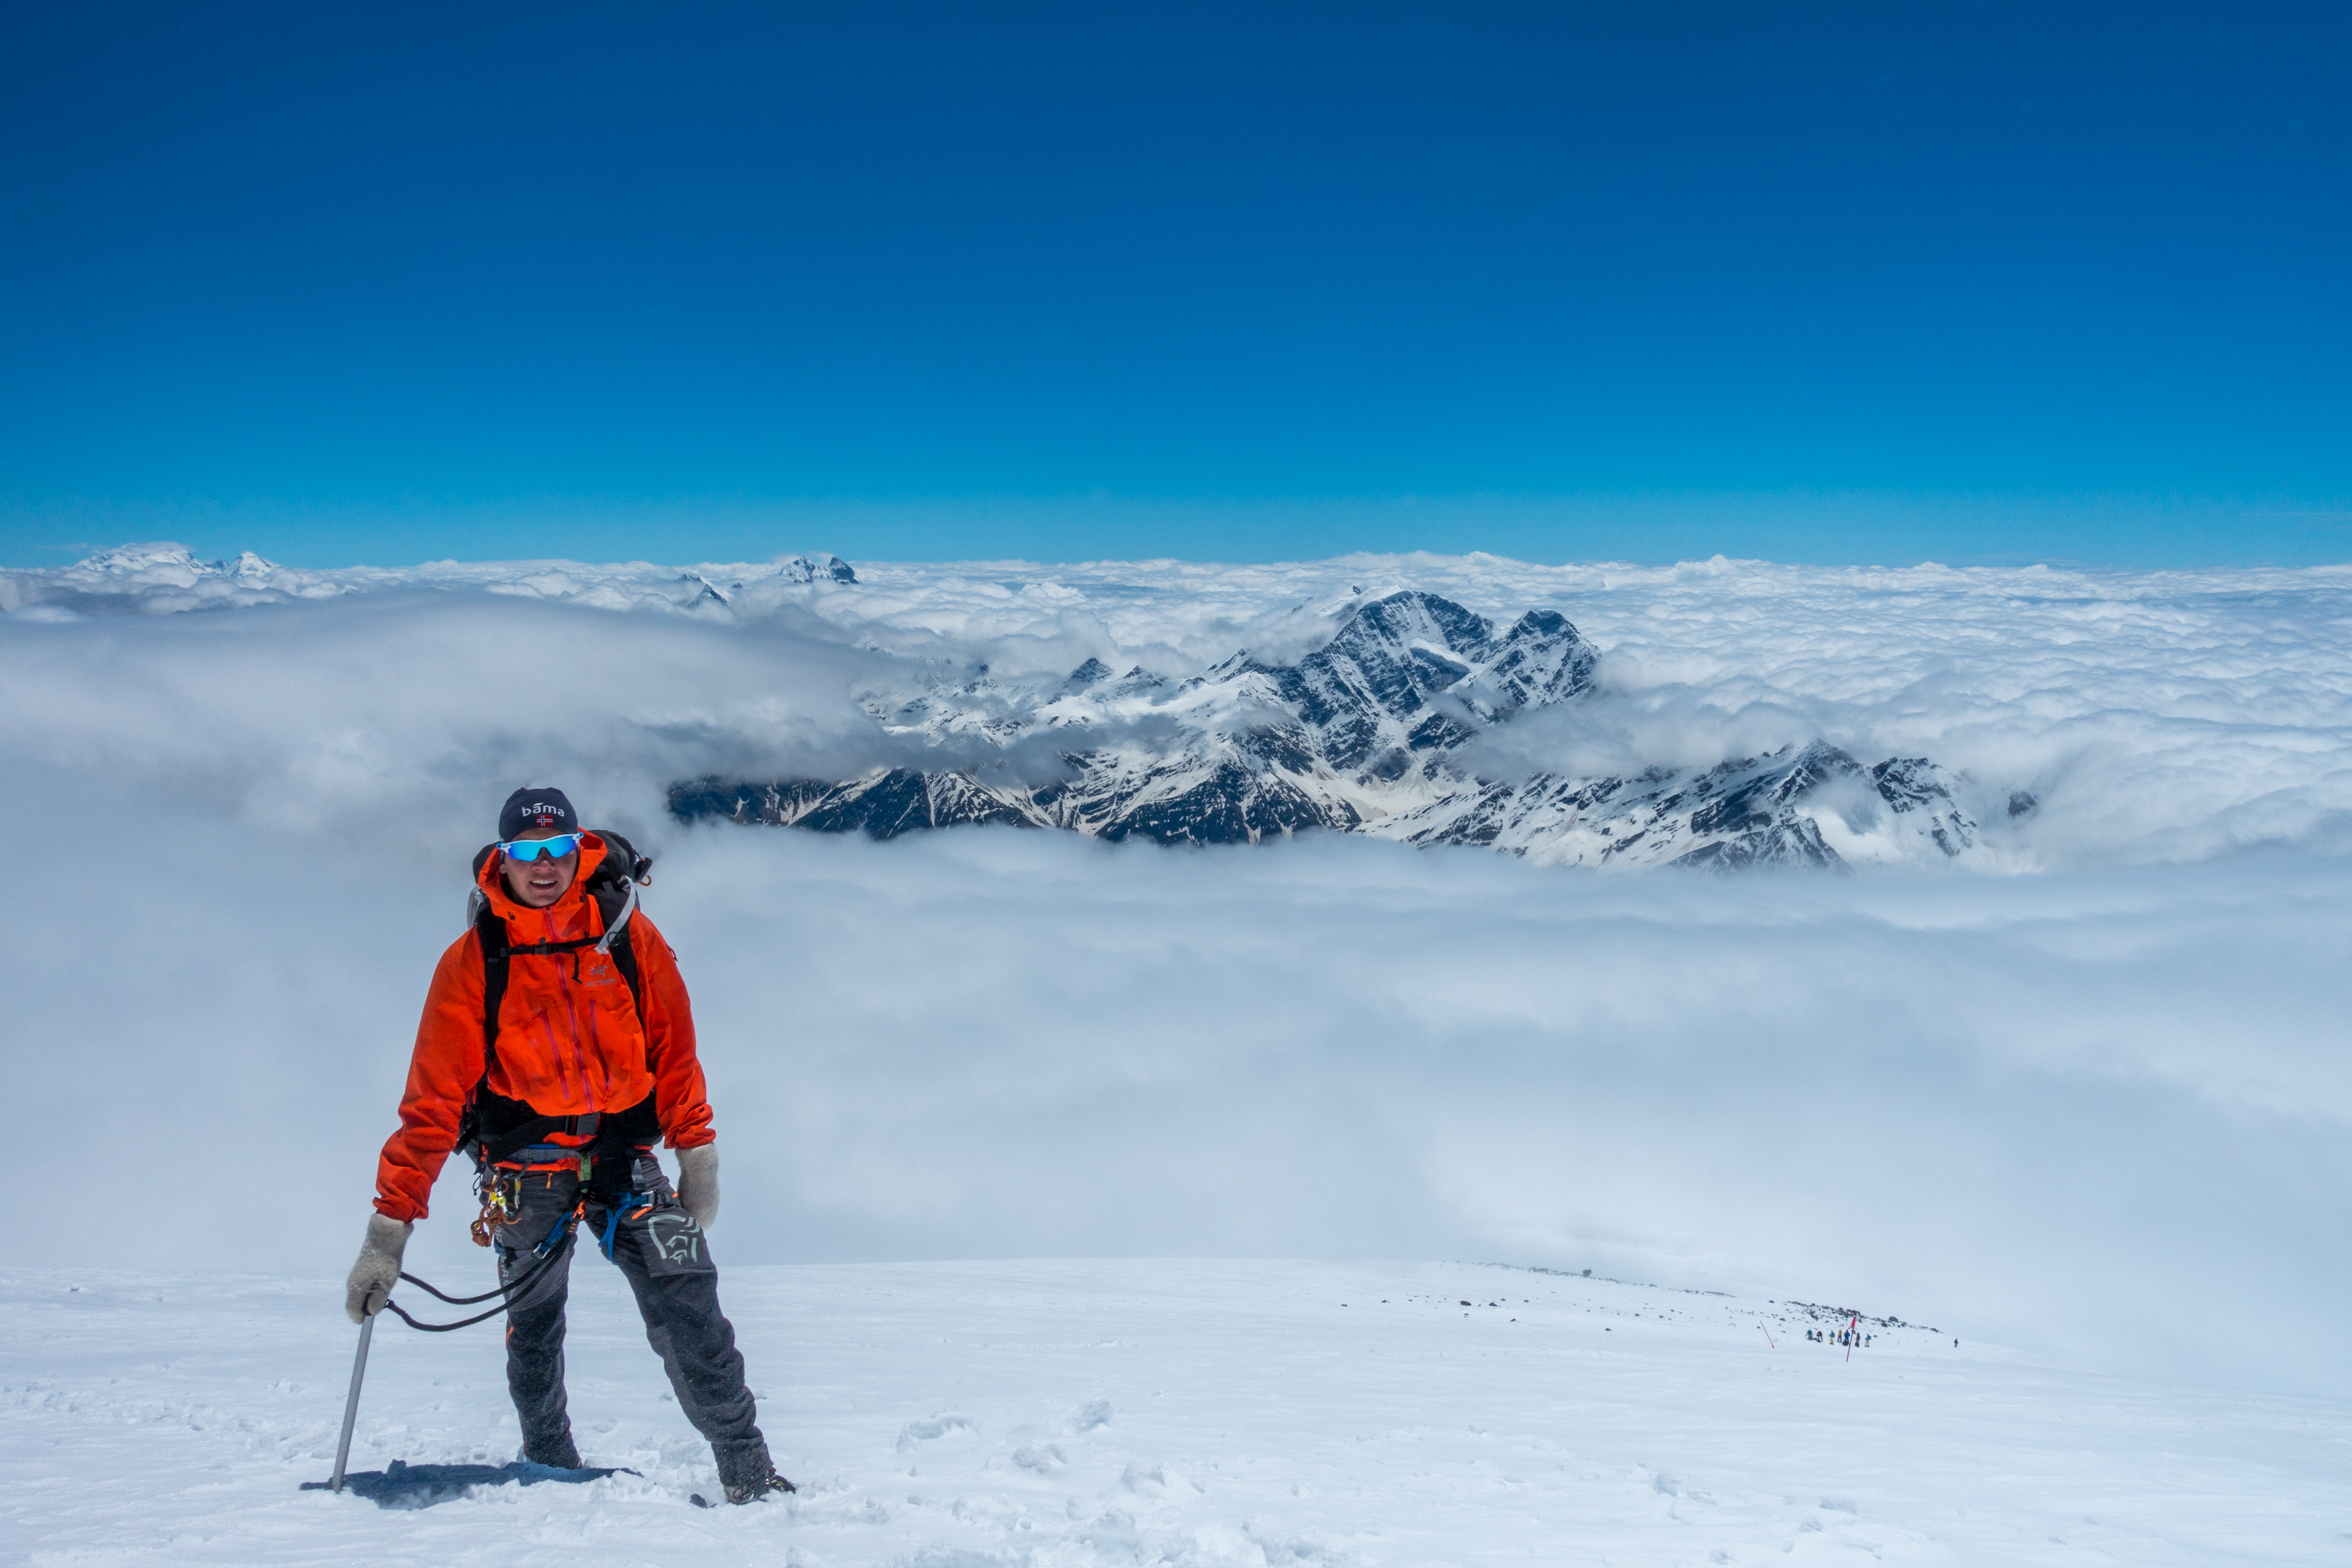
point(631, 1204)
point(568, 1220)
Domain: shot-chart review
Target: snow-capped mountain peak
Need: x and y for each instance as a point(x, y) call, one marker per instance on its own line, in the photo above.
point(1359, 735)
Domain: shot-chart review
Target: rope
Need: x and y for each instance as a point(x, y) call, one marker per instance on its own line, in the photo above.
point(561, 1236)
point(395, 1309)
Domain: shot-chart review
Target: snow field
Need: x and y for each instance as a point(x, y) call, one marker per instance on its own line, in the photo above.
point(991, 1413)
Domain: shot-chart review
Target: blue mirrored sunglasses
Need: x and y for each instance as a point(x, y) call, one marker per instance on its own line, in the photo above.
point(560, 845)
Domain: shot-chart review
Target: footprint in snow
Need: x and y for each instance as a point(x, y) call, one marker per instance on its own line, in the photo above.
point(938, 1425)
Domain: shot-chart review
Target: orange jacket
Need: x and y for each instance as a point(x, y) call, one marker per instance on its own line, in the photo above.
point(569, 1039)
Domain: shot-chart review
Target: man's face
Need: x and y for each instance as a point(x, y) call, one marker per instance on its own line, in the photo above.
point(539, 883)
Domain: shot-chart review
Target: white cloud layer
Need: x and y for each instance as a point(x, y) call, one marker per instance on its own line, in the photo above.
point(2100, 1109)
point(2156, 716)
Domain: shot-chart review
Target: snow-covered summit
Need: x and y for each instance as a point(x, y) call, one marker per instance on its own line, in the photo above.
point(164, 562)
point(160, 576)
point(1372, 732)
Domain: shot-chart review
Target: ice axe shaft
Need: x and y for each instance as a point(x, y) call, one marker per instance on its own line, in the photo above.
point(352, 1402)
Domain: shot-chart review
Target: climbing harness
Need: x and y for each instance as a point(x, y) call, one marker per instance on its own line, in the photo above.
point(501, 1206)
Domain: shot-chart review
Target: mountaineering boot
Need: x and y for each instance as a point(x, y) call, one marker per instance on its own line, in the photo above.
point(748, 1473)
point(757, 1487)
point(557, 1451)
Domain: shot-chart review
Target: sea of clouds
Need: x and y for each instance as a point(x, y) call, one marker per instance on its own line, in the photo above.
point(2095, 1105)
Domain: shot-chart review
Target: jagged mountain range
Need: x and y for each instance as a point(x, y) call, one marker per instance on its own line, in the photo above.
point(1366, 734)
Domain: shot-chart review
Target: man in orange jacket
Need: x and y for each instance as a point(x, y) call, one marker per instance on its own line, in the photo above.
point(559, 1090)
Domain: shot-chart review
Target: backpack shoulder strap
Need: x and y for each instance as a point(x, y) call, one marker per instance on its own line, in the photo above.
point(490, 937)
point(617, 902)
point(615, 889)
point(491, 933)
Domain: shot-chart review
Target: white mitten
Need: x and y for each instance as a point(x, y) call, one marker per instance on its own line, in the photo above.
point(697, 1182)
point(378, 1269)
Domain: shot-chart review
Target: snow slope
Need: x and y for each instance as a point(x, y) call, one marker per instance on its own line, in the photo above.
point(1050, 1413)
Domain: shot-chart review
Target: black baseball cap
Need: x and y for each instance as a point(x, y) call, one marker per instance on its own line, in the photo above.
point(536, 811)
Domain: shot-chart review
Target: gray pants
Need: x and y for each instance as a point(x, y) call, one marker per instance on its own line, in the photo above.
point(666, 1257)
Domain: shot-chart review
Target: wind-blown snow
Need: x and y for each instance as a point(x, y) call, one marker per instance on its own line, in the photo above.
point(2071, 1110)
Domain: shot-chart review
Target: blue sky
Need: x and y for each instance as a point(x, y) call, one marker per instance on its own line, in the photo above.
point(1970, 282)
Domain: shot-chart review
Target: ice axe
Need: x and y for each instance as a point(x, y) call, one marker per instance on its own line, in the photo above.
point(352, 1403)
point(558, 1241)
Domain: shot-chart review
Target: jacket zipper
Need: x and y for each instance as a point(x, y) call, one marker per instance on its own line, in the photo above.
point(579, 1065)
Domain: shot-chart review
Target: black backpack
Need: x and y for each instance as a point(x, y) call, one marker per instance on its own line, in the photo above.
point(494, 1126)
